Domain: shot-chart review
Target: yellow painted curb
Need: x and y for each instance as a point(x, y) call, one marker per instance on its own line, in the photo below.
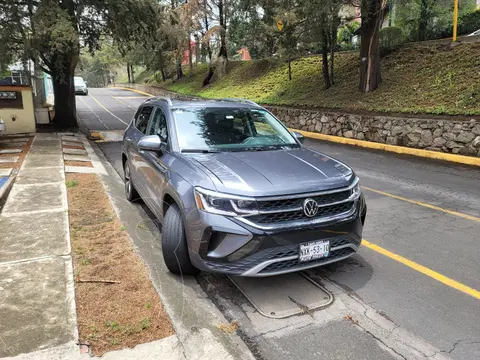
point(468, 160)
point(134, 90)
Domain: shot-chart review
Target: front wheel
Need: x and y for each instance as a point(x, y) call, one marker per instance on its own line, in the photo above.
point(130, 192)
point(174, 243)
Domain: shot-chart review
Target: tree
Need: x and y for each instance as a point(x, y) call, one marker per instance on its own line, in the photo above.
point(372, 17)
point(52, 33)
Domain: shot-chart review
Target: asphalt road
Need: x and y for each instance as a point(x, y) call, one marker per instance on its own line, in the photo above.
point(420, 268)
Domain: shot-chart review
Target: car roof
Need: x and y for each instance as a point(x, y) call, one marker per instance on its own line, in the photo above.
point(195, 103)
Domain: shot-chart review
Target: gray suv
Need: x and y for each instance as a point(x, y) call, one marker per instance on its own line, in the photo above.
point(236, 192)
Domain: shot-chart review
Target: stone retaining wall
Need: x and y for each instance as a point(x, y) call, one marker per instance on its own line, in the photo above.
point(451, 136)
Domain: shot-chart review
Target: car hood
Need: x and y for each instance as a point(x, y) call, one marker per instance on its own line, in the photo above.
point(268, 173)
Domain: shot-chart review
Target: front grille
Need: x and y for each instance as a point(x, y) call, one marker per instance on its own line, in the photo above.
point(292, 264)
point(285, 204)
point(275, 218)
point(278, 252)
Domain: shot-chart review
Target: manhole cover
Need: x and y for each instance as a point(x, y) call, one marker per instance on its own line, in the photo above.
point(282, 296)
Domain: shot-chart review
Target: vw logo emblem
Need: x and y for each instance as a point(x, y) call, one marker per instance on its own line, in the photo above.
point(310, 207)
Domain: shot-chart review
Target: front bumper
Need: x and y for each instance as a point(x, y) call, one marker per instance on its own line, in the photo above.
point(83, 91)
point(225, 245)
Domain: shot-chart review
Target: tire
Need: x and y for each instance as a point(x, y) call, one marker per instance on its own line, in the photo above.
point(174, 243)
point(86, 93)
point(130, 192)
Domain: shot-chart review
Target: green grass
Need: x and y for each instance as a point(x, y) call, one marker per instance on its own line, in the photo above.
point(71, 184)
point(416, 79)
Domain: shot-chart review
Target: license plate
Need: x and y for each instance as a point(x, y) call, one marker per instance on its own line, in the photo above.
point(314, 250)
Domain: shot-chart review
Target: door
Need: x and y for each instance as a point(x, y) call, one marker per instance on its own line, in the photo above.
point(156, 168)
point(134, 154)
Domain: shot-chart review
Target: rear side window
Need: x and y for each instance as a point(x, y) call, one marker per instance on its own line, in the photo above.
point(141, 122)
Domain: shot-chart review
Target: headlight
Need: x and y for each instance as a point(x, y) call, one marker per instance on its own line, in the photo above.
point(356, 192)
point(224, 204)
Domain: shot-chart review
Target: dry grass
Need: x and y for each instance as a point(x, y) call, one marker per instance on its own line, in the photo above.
point(120, 314)
point(78, 163)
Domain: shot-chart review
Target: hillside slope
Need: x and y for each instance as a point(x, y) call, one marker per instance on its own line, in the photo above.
point(416, 79)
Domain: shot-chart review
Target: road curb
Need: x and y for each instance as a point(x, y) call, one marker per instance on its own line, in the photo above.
point(459, 159)
point(467, 160)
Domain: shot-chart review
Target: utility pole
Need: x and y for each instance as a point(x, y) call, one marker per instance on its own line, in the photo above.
point(455, 19)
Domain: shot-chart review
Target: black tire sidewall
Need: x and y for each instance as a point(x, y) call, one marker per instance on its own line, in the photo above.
point(174, 243)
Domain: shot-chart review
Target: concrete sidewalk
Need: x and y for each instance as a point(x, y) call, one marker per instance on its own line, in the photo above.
point(37, 304)
point(37, 300)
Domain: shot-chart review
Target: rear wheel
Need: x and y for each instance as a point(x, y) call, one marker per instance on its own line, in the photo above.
point(130, 192)
point(174, 243)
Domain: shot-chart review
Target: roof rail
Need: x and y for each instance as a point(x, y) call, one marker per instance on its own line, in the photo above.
point(240, 101)
point(167, 99)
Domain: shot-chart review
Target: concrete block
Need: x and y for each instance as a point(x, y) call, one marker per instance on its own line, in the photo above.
point(72, 143)
point(5, 172)
point(10, 151)
point(28, 176)
point(80, 169)
point(42, 160)
point(10, 159)
point(68, 157)
point(34, 198)
point(32, 236)
point(31, 316)
point(75, 151)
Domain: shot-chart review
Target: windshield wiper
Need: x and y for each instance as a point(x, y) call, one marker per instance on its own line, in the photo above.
point(200, 151)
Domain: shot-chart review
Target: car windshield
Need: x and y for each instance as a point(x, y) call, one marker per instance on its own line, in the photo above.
point(230, 129)
point(78, 81)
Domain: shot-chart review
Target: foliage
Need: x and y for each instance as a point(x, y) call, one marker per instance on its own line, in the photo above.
point(437, 16)
point(417, 79)
point(391, 38)
point(469, 22)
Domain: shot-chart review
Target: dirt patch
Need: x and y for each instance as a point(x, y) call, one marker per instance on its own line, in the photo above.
point(78, 163)
point(79, 147)
point(21, 156)
point(117, 306)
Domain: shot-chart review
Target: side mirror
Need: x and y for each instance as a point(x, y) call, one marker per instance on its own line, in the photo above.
point(150, 143)
point(299, 137)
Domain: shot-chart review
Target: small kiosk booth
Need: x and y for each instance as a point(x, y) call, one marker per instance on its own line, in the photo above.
point(16, 109)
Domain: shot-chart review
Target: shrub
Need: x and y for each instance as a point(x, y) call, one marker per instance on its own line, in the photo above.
point(469, 22)
point(391, 38)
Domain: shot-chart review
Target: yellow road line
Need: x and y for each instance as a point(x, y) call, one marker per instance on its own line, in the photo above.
point(424, 270)
point(468, 160)
point(134, 90)
point(128, 97)
point(121, 102)
point(433, 207)
point(99, 103)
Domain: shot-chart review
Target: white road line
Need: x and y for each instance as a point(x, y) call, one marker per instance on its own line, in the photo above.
point(94, 113)
point(99, 103)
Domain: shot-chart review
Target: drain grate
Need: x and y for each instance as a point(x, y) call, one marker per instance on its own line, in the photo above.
point(282, 296)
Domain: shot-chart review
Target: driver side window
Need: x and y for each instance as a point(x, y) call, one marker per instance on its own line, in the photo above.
point(141, 122)
point(158, 125)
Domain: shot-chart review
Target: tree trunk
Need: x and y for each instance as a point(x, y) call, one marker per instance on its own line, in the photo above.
point(190, 56)
point(289, 69)
point(372, 16)
point(333, 45)
point(128, 72)
point(65, 106)
point(132, 73)
point(423, 20)
point(326, 75)
point(179, 70)
point(164, 76)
